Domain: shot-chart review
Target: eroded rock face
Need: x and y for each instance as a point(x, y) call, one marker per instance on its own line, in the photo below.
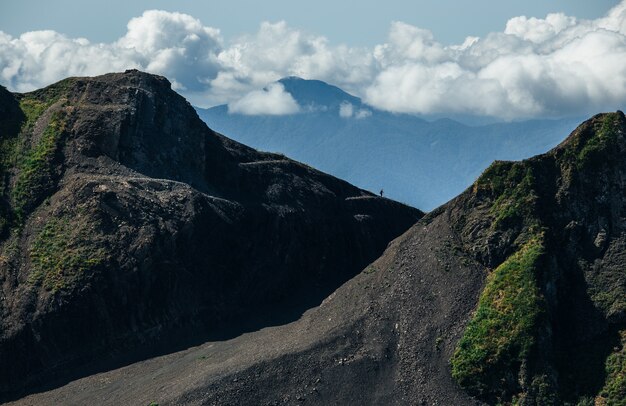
point(124, 219)
point(513, 292)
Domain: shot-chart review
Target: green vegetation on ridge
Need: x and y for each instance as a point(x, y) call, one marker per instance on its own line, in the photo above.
point(512, 186)
point(593, 151)
point(35, 166)
point(500, 357)
point(614, 391)
point(62, 253)
point(491, 359)
point(502, 332)
point(32, 154)
point(590, 146)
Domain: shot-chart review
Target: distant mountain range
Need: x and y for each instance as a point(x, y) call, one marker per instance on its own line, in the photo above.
point(419, 162)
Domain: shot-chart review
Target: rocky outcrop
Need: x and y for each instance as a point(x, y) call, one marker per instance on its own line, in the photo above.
point(125, 220)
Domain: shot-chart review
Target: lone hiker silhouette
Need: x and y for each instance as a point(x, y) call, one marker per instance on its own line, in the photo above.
point(381, 193)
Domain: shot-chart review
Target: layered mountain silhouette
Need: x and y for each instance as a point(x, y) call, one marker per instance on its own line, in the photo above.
point(126, 220)
point(419, 162)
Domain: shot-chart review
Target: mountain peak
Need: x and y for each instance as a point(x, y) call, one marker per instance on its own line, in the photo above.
point(309, 92)
point(122, 198)
point(593, 130)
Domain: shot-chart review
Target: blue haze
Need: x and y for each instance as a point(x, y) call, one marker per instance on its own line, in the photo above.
point(419, 162)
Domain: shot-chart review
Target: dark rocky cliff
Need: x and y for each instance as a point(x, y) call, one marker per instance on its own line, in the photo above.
point(124, 219)
point(512, 293)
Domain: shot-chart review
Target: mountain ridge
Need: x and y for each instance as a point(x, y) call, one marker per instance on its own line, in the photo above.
point(317, 93)
point(419, 162)
point(125, 219)
point(511, 293)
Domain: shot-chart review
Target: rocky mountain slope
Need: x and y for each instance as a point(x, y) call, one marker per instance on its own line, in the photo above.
point(125, 221)
point(512, 293)
point(419, 162)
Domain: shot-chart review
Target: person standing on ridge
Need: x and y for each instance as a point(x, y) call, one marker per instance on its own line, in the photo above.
point(381, 193)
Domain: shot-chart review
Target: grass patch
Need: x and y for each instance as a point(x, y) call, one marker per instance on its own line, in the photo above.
point(592, 145)
point(512, 185)
point(494, 179)
point(503, 330)
point(62, 253)
point(497, 358)
point(35, 168)
point(32, 161)
point(33, 108)
point(614, 391)
point(515, 204)
point(611, 299)
point(594, 150)
point(8, 153)
point(10, 126)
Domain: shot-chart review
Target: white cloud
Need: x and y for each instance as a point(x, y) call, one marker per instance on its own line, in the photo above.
point(277, 51)
point(539, 30)
point(346, 109)
point(409, 44)
point(175, 45)
point(270, 101)
point(536, 67)
point(172, 44)
point(363, 113)
point(39, 58)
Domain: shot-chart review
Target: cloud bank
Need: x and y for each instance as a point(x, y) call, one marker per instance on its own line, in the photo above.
point(273, 101)
point(535, 67)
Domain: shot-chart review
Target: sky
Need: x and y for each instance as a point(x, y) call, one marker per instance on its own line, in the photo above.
point(357, 23)
point(505, 59)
